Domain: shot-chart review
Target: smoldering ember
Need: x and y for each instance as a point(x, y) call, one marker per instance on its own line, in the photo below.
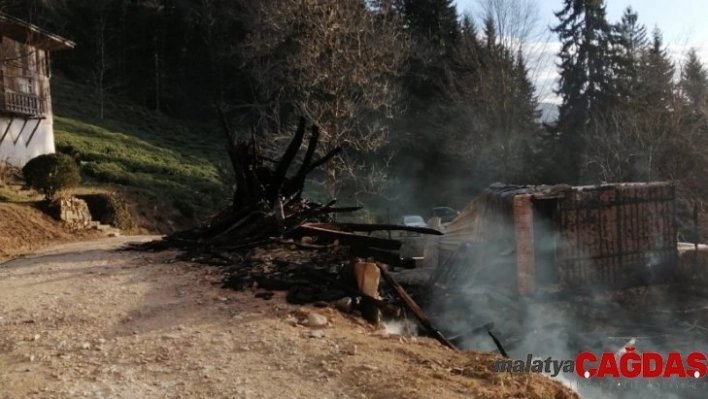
point(557, 270)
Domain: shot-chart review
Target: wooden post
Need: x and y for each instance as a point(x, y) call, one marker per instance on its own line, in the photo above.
point(523, 229)
point(696, 236)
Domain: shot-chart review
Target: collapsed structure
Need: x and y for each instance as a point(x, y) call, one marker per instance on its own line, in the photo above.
point(533, 239)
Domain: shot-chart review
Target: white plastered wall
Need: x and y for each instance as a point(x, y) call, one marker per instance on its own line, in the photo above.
point(15, 149)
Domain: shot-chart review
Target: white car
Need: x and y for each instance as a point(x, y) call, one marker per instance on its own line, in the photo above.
point(413, 221)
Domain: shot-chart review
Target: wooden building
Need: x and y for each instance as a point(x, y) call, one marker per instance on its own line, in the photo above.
point(537, 238)
point(26, 126)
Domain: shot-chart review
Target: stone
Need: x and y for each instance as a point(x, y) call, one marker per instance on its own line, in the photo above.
point(72, 211)
point(344, 304)
point(315, 320)
point(317, 334)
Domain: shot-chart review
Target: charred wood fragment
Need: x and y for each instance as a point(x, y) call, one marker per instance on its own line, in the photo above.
point(272, 238)
point(417, 311)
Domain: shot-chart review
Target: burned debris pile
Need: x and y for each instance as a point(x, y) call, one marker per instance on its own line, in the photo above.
point(272, 238)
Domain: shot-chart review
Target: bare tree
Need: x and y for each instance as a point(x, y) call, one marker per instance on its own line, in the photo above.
point(627, 145)
point(104, 62)
point(516, 21)
point(334, 62)
point(518, 27)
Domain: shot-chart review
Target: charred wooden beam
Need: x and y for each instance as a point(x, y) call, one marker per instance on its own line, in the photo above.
point(370, 228)
point(282, 169)
point(345, 238)
point(413, 307)
point(296, 184)
point(316, 164)
point(457, 339)
point(498, 345)
point(304, 215)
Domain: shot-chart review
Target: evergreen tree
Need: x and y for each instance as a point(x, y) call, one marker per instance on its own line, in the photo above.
point(525, 94)
point(694, 82)
point(656, 72)
point(585, 58)
point(434, 20)
point(435, 32)
point(586, 84)
point(490, 34)
point(630, 42)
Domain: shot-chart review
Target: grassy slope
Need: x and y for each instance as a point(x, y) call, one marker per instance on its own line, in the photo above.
point(135, 147)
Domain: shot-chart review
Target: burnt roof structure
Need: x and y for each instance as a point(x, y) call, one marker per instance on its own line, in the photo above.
point(566, 236)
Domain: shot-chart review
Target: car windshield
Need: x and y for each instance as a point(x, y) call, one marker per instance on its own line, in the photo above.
point(413, 219)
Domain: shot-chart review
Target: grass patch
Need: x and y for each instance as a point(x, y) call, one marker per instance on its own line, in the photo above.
point(135, 147)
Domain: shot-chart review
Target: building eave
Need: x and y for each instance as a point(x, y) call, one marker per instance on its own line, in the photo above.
point(33, 35)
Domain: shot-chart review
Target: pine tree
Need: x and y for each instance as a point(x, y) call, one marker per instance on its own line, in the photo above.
point(630, 42)
point(694, 82)
point(586, 58)
point(525, 93)
point(656, 71)
point(586, 84)
point(490, 33)
point(434, 20)
point(434, 30)
point(434, 27)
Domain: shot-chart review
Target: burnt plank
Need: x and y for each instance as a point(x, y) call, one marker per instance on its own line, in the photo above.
point(414, 308)
point(370, 228)
point(345, 238)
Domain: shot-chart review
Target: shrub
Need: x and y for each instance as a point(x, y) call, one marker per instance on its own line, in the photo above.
point(7, 172)
point(51, 173)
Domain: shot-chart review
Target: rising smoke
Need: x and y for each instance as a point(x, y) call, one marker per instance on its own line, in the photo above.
point(598, 321)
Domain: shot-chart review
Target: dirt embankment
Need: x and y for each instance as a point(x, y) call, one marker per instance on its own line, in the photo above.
point(24, 228)
point(80, 321)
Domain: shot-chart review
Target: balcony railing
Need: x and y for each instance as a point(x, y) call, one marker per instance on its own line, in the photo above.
point(20, 103)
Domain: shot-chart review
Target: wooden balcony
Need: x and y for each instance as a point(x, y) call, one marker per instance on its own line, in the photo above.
point(21, 104)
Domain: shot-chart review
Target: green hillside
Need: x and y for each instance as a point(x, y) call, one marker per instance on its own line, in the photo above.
point(134, 147)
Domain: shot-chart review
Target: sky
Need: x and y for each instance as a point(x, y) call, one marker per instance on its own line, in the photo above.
point(683, 23)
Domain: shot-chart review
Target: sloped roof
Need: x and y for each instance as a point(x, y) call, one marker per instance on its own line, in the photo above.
point(33, 35)
point(489, 214)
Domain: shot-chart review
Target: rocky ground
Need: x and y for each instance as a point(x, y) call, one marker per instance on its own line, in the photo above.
point(80, 320)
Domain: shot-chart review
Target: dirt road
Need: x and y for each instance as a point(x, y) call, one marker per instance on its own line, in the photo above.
point(80, 320)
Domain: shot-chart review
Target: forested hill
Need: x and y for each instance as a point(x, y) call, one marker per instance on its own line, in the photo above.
point(428, 105)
